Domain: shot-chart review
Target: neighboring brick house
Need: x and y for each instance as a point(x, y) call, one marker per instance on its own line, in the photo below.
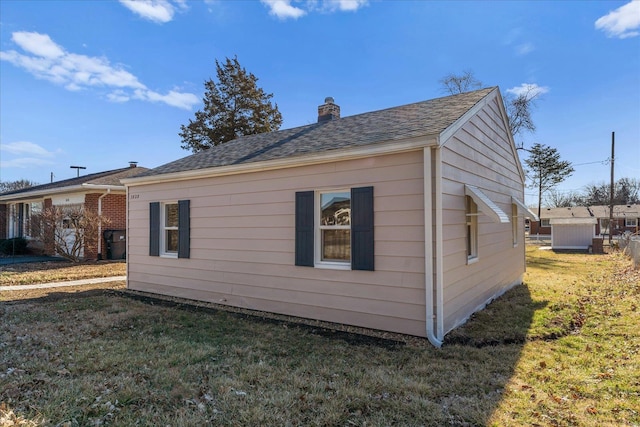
point(100, 192)
point(626, 218)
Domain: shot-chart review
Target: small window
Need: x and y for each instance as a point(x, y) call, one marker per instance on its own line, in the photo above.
point(169, 223)
point(631, 222)
point(472, 228)
point(545, 223)
point(335, 227)
point(514, 223)
point(604, 225)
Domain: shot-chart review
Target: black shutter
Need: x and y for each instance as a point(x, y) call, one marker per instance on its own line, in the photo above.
point(304, 228)
point(154, 229)
point(183, 229)
point(362, 253)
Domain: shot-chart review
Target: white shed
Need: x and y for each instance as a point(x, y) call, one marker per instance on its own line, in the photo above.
point(572, 233)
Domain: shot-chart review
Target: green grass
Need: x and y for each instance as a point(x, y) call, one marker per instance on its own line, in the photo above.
point(560, 350)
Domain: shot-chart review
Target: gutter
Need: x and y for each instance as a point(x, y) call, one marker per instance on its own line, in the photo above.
point(50, 191)
point(433, 290)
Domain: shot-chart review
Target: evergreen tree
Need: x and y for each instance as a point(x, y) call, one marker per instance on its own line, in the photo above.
point(233, 106)
point(545, 169)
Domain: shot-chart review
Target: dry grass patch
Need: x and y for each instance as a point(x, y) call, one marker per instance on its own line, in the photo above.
point(98, 358)
point(56, 271)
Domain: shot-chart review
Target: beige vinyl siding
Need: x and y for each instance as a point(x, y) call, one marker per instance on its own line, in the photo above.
point(479, 154)
point(242, 244)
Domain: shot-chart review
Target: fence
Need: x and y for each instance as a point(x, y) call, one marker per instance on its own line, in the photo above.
point(630, 244)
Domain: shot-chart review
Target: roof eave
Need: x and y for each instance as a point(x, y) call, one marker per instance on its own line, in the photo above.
point(52, 191)
point(379, 149)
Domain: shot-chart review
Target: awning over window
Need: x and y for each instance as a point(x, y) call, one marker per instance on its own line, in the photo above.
point(525, 210)
point(486, 205)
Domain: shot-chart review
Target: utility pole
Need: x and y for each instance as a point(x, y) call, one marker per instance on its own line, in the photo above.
point(611, 189)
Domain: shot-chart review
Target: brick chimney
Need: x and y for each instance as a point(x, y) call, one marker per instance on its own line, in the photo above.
point(328, 110)
point(133, 164)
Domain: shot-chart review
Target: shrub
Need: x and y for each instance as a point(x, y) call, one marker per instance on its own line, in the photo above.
point(14, 246)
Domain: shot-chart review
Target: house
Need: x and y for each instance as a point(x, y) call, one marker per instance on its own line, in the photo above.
point(625, 219)
point(99, 192)
point(407, 219)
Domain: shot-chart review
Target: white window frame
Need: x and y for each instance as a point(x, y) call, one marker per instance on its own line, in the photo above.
point(605, 226)
point(471, 227)
point(318, 261)
point(631, 222)
point(545, 222)
point(164, 229)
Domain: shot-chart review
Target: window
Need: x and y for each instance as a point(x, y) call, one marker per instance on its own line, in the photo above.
point(604, 225)
point(514, 223)
point(631, 222)
point(169, 244)
point(169, 229)
point(471, 210)
point(334, 229)
point(545, 223)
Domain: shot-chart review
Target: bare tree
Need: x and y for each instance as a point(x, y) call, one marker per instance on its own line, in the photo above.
point(562, 199)
point(71, 231)
point(15, 185)
point(465, 82)
point(625, 191)
point(518, 107)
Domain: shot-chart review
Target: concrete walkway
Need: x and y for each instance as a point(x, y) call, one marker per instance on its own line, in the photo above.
point(63, 284)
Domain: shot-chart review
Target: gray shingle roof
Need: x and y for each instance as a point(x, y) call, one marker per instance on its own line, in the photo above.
point(111, 177)
point(408, 121)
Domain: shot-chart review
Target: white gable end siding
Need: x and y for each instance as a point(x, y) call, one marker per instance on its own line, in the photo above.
point(479, 154)
point(242, 244)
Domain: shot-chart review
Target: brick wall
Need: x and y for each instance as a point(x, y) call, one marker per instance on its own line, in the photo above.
point(114, 209)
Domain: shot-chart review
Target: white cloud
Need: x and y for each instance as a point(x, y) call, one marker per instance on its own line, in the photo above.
point(25, 162)
point(47, 60)
point(524, 49)
point(29, 155)
point(25, 147)
point(173, 98)
point(531, 90)
point(158, 11)
point(285, 9)
point(344, 5)
point(623, 22)
point(38, 44)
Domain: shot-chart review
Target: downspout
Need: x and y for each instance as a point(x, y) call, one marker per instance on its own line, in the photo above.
point(429, 265)
point(100, 222)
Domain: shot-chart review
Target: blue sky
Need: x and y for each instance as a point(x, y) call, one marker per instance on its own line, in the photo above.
point(102, 83)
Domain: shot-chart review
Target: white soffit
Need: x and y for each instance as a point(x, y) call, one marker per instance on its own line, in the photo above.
point(524, 208)
point(486, 205)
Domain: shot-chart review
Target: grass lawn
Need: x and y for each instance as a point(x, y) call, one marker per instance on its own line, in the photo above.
point(56, 271)
point(563, 349)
